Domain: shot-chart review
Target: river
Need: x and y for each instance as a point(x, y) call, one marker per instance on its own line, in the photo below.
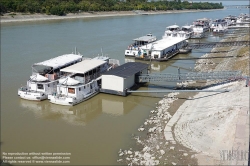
point(93, 131)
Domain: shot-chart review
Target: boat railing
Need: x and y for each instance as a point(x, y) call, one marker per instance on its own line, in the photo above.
point(114, 62)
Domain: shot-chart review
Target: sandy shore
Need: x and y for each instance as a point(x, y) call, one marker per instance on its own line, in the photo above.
point(19, 17)
point(201, 128)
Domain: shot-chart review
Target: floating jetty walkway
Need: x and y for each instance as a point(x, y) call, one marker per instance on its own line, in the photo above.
point(228, 75)
point(217, 44)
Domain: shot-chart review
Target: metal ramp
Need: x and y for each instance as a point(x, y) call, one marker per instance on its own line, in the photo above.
point(189, 76)
point(217, 44)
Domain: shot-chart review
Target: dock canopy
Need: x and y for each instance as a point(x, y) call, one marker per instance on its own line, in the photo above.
point(60, 61)
point(84, 66)
point(127, 70)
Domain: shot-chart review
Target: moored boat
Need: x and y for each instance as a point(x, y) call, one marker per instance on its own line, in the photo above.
point(82, 81)
point(45, 75)
point(171, 31)
point(200, 26)
point(219, 23)
point(220, 30)
point(162, 50)
point(139, 42)
point(187, 30)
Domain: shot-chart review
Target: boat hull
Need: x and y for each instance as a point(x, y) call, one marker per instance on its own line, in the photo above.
point(70, 101)
point(131, 53)
point(35, 96)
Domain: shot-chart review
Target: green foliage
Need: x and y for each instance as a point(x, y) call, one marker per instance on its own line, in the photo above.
point(62, 7)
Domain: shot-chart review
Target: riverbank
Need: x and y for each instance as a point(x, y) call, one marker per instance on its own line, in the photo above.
point(214, 124)
point(199, 128)
point(21, 17)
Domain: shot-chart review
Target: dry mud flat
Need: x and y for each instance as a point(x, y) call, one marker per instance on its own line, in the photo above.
point(203, 128)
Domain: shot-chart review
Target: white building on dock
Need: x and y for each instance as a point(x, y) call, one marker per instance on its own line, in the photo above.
point(122, 78)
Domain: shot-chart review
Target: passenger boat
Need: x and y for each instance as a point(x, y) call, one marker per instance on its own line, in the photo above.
point(200, 26)
point(81, 82)
point(162, 50)
point(219, 23)
point(45, 75)
point(171, 31)
point(187, 30)
point(220, 30)
point(139, 42)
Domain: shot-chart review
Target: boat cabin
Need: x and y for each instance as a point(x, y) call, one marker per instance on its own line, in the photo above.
point(45, 74)
point(162, 48)
point(83, 80)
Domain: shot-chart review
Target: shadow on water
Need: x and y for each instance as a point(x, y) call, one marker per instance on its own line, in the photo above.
point(85, 112)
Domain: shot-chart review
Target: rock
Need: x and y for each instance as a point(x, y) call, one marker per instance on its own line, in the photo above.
point(157, 147)
point(147, 155)
point(172, 147)
point(145, 149)
point(129, 152)
point(119, 160)
point(173, 163)
point(157, 162)
point(185, 154)
point(162, 152)
point(173, 142)
point(141, 129)
point(121, 154)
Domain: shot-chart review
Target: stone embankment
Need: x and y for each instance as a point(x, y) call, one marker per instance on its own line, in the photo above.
point(200, 128)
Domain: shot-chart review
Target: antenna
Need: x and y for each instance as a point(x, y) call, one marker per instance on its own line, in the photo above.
point(75, 50)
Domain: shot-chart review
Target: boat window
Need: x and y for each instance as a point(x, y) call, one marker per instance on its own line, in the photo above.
point(39, 86)
point(71, 90)
point(79, 89)
point(48, 85)
point(83, 87)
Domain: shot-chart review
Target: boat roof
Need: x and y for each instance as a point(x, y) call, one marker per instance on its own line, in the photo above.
point(163, 43)
point(128, 69)
point(83, 66)
point(173, 26)
point(203, 19)
point(104, 58)
point(145, 38)
point(187, 26)
point(60, 61)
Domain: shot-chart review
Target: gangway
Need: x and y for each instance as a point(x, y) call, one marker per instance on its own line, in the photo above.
point(191, 76)
point(217, 44)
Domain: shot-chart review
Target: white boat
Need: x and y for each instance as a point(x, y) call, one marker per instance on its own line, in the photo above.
point(243, 18)
point(45, 75)
point(219, 30)
point(219, 23)
point(139, 42)
point(200, 26)
point(162, 49)
point(82, 83)
point(187, 30)
point(171, 31)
